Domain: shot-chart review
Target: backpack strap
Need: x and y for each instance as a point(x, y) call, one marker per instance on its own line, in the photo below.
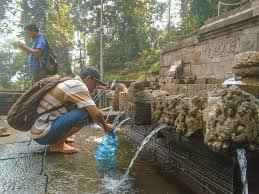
point(41, 60)
point(60, 106)
point(54, 108)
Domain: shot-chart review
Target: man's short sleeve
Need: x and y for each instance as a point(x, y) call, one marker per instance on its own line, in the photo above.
point(77, 93)
point(41, 43)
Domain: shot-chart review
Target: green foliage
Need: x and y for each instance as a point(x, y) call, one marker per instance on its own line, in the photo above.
point(129, 34)
point(195, 12)
point(139, 69)
point(5, 21)
point(59, 32)
point(5, 64)
point(128, 29)
point(12, 65)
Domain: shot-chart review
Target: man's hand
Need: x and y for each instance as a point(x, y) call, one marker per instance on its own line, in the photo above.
point(21, 45)
point(35, 52)
point(108, 128)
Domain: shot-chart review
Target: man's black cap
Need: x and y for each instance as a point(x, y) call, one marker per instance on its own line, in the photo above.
point(94, 73)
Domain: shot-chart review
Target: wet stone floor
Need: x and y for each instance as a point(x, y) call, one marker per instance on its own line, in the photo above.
point(29, 169)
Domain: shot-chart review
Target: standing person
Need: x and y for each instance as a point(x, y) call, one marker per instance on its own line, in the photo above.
point(55, 127)
point(37, 53)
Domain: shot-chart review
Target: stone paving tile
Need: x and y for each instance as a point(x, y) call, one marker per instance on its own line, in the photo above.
point(23, 185)
point(15, 135)
point(28, 166)
point(76, 173)
point(16, 150)
point(21, 166)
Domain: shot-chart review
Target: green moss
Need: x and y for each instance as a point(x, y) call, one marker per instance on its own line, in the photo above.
point(146, 65)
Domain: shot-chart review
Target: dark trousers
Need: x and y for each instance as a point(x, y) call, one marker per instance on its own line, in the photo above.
point(37, 76)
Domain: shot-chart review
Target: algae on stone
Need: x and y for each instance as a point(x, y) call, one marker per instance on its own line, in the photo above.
point(231, 118)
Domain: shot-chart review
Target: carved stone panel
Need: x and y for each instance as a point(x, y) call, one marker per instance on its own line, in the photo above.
point(222, 47)
point(248, 42)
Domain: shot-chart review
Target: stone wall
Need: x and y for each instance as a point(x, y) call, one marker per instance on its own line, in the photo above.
point(209, 54)
point(189, 89)
point(7, 99)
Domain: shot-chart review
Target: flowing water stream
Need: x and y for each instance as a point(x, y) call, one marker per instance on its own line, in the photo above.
point(120, 123)
point(243, 166)
point(139, 149)
point(106, 120)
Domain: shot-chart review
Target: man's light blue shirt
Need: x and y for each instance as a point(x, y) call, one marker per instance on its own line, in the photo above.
point(33, 62)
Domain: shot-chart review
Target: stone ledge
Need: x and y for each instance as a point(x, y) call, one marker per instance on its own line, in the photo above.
point(228, 13)
point(232, 19)
point(189, 89)
point(203, 89)
point(179, 45)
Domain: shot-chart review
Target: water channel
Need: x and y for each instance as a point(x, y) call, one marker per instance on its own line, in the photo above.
point(81, 173)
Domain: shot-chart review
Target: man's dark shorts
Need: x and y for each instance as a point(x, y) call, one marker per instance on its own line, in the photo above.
point(61, 126)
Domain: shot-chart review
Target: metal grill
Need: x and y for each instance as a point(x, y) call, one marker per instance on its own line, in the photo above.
point(212, 172)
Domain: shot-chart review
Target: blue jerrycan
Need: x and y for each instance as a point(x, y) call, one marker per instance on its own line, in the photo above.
point(108, 147)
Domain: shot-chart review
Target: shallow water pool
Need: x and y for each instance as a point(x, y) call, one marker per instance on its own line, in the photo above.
point(81, 173)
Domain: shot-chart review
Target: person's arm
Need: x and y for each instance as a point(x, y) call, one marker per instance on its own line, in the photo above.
point(97, 116)
point(35, 52)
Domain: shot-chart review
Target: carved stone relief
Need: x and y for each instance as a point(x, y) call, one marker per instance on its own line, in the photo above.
point(248, 42)
point(191, 55)
point(222, 47)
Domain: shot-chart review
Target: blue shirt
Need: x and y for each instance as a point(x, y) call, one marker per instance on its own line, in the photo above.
point(33, 62)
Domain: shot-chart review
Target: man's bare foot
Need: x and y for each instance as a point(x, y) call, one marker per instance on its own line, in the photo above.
point(63, 148)
point(69, 140)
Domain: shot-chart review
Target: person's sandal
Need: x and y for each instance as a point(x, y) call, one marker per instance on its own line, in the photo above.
point(5, 134)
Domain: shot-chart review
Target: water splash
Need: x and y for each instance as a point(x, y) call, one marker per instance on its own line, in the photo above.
point(243, 166)
point(233, 81)
point(139, 149)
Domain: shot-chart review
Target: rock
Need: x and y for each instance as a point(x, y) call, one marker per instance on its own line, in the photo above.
point(182, 113)
point(246, 64)
point(120, 88)
point(246, 59)
point(231, 118)
point(4, 127)
point(3, 130)
point(250, 71)
point(143, 103)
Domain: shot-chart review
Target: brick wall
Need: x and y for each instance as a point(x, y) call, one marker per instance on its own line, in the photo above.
point(210, 53)
point(7, 98)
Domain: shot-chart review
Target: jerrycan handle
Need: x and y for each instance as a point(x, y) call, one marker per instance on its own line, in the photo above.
point(114, 134)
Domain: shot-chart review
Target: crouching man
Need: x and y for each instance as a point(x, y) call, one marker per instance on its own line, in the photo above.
point(55, 127)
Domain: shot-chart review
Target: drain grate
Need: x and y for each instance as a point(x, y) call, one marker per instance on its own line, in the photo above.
point(211, 171)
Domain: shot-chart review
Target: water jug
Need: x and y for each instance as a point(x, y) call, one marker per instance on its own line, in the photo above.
point(107, 148)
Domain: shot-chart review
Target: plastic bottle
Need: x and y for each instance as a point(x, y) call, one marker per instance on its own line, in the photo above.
point(108, 147)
